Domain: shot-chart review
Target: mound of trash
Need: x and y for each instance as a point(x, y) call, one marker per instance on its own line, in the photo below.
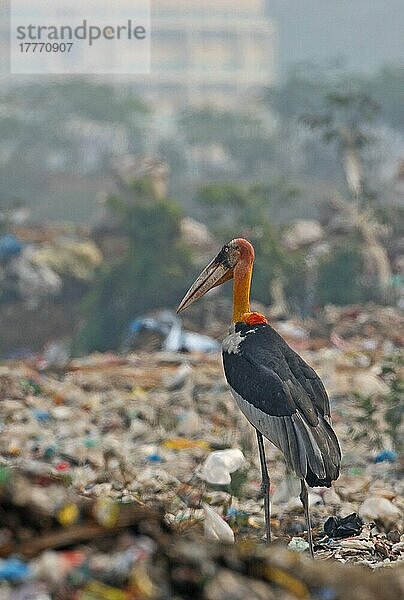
point(76, 547)
point(119, 472)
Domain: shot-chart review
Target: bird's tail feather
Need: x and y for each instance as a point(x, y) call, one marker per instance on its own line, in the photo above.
point(322, 451)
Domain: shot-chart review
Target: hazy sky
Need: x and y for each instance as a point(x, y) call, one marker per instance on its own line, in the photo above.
point(368, 33)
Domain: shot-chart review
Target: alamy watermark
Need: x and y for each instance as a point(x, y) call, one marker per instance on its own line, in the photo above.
point(72, 36)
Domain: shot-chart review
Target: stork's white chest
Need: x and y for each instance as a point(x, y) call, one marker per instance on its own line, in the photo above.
point(232, 342)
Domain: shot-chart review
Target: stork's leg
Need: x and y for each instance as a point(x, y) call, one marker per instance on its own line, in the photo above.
point(304, 497)
point(265, 485)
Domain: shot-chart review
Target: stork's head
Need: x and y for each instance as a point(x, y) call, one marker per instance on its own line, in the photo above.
point(236, 256)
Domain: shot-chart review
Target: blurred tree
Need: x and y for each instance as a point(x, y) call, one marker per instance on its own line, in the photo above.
point(152, 273)
point(246, 138)
point(344, 122)
point(335, 99)
point(387, 88)
point(306, 86)
point(302, 90)
point(64, 133)
point(244, 211)
point(339, 279)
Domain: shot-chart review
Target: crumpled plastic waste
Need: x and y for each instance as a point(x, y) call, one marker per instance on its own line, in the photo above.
point(383, 512)
point(31, 281)
point(215, 527)
point(343, 527)
point(220, 464)
point(14, 569)
point(298, 544)
point(290, 330)
point(288, 488)
point(72, 258)
point(179, 378)
point(169, 333)
point(10, 246)
point(385, 456)
point(197, 342)
point(55, 354)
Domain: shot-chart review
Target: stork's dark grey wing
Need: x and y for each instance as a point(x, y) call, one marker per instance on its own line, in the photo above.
point(279, 395)
point(310, 381)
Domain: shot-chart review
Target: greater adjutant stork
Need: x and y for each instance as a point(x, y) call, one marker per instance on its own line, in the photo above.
point(281, 396)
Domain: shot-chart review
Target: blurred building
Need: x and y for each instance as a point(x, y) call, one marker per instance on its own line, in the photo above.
point(208, 51)
point(202, 51)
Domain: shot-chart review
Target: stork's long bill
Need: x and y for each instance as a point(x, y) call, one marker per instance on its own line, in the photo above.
point(234, 261)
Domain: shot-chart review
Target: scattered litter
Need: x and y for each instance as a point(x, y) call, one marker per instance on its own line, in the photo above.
point(342, 527)
point(383, 512)
point(385, 456)
point(107, 433)
point(10, 246)
point(287, 489)
point(220, 464)
point(168, 335)
point(298, 544)
point(215, 527)
point(13, 569)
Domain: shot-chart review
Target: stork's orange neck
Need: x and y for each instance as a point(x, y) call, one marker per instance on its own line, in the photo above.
point(241, 289)
point(241, 293)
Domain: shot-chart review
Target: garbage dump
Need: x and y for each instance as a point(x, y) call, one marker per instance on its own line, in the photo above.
point(44, 273)
point(36, 271)
point(99, 452)
point(76, 547)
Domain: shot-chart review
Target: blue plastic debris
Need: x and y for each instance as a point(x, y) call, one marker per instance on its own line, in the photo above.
point(41, 415)
point(155, 458)
point(49, 452)
point(13, 569)
point(385, 456)
point(327, 593)
point(9, 246)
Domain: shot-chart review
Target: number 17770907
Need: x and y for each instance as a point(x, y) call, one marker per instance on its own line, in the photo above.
point(36, 47)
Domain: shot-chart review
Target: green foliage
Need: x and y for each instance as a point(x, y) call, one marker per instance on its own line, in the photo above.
point(152, 274)
point(365, 425)
point(343, 118)
point(394, 412)
point(207, 125)
point(392, 216)
point(387, 88)
point(302, 91)
point(245, 137)
point(339, 276)
point(377, 420)
point(243, 206)
point(238, 480)
point(306, 86)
